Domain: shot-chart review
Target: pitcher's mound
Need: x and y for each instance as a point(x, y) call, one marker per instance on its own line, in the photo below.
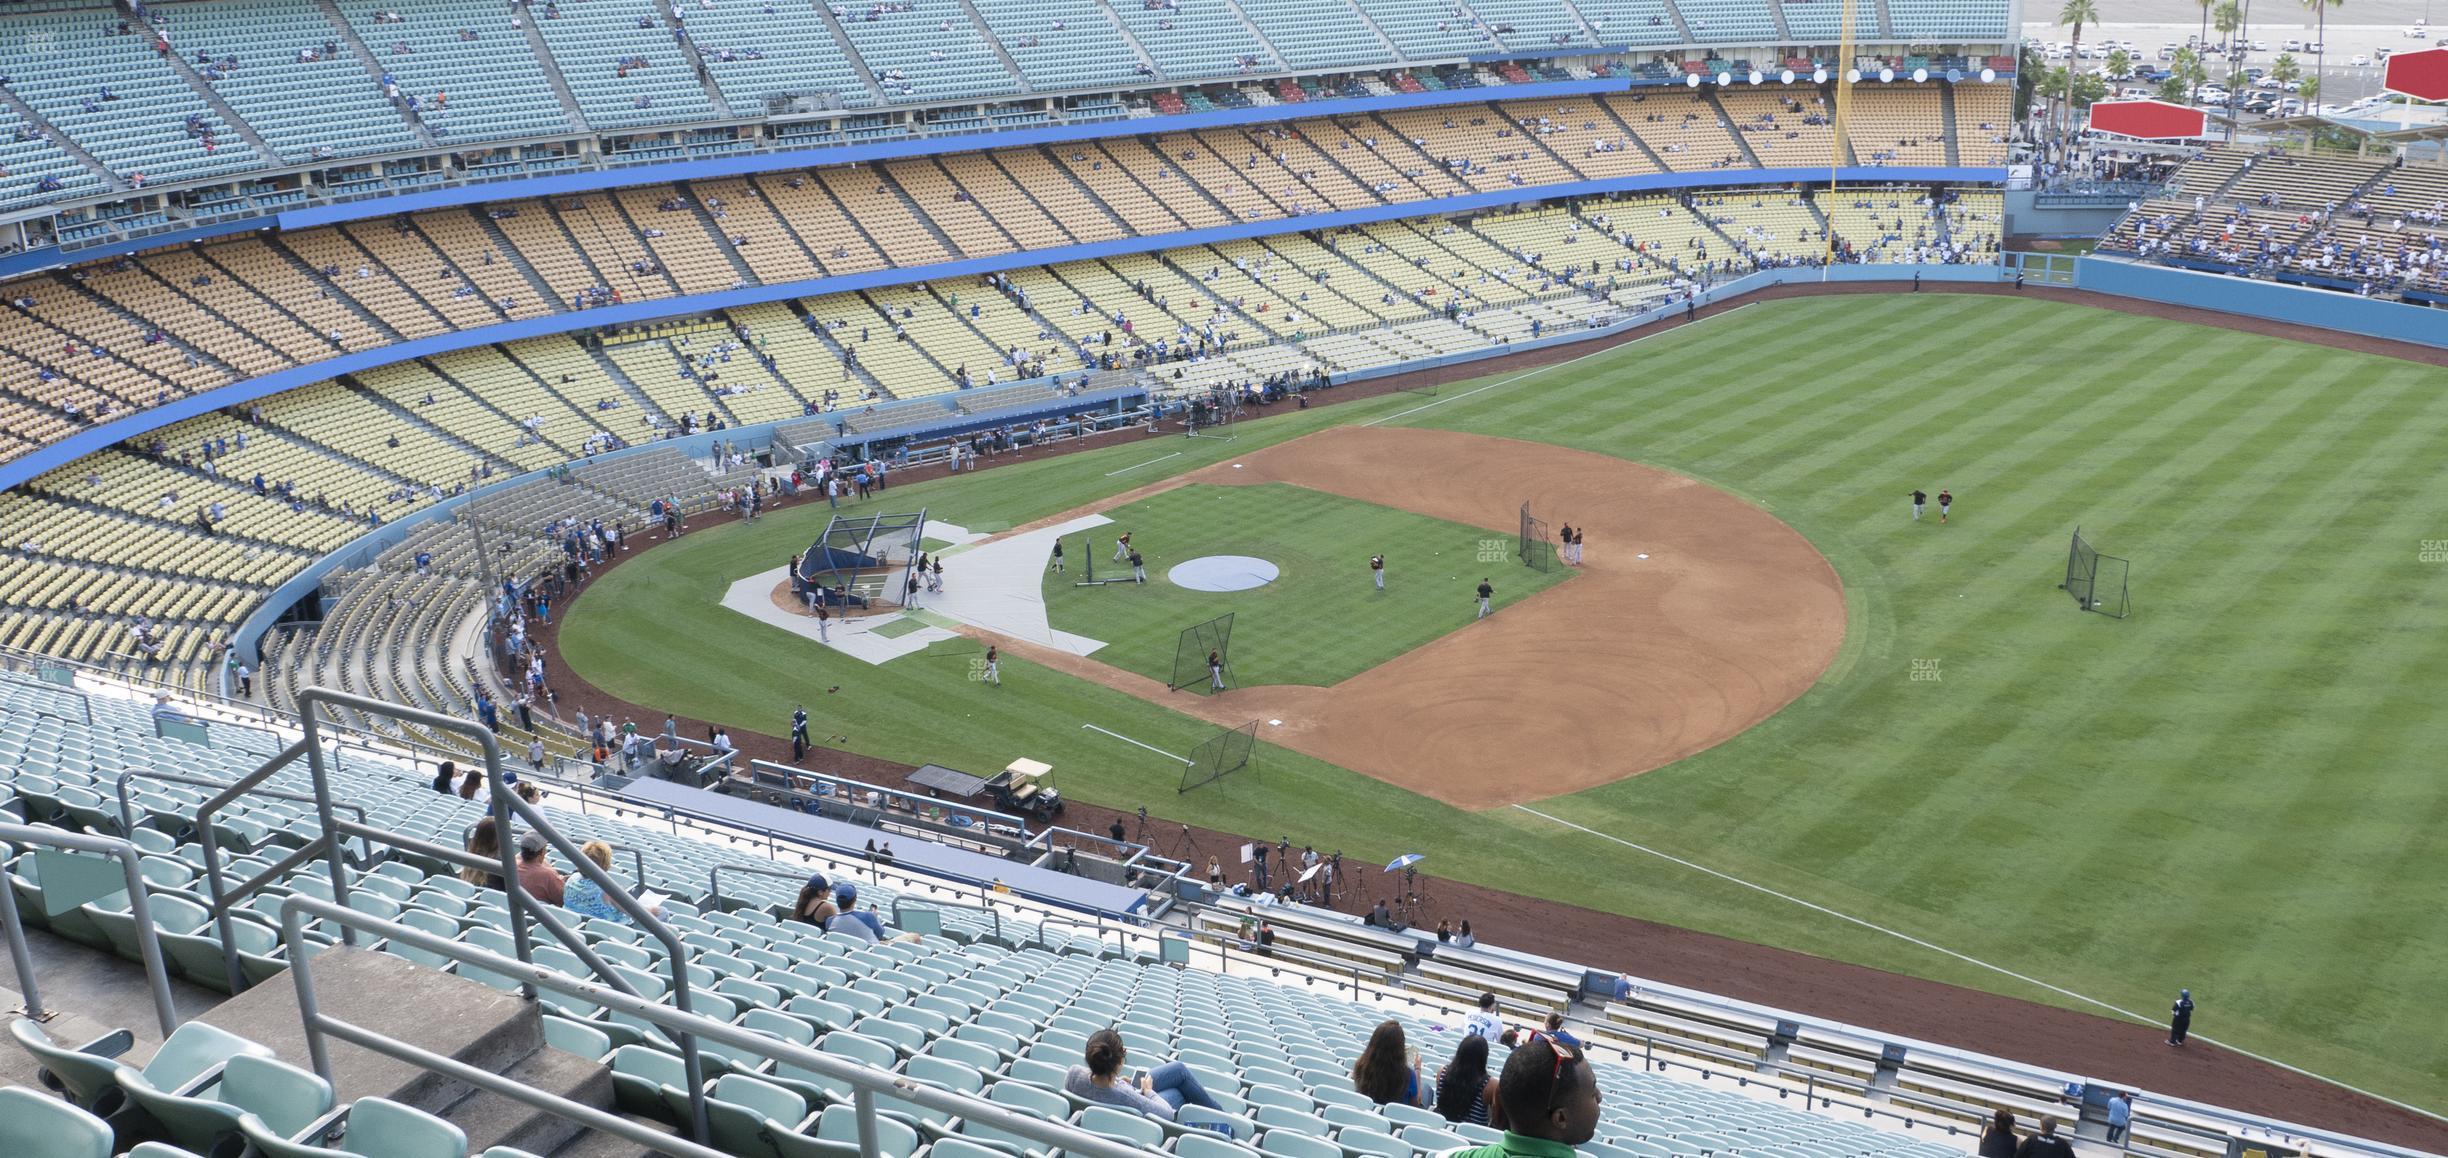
point(1222, 573)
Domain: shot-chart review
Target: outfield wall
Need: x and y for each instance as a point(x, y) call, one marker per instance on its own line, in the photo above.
point(2227, 294)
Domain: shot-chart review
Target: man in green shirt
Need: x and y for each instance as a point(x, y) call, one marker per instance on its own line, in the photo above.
point(1549, 1099)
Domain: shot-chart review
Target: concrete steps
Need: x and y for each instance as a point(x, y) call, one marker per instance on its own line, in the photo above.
point(467, 1022)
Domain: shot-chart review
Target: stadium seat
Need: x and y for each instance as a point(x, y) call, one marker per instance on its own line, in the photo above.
point(288, 1100)
point(32, 1124)
point(83, 1074)
point(374, 1128)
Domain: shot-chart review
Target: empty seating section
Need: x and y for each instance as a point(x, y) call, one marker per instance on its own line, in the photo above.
point(898, 231)
point(925, 50)
point(674, 229)
point(540, 241)
point(1062, 44)
point(1068, 204)
point(1532, 25)
point(1785, 128)
point(1950, 19)
point(623, 64)
point(35, 169)
point(1430, 29)
point(1686, 131)
point(1733, 21)
point(472, 72)
point(758, 52)
point(1984, 117)
point(467, 265)
point(973, 231)
point(341, 266)
point(1195, 39)
point(1822, 21)
point(765, 244)
point(307, 103)
point(1591, 144)
point(837, 243)
point(112, 95)
point(1902, 127)
point(1317, 33)
point(1634, 23)
point(991, 197)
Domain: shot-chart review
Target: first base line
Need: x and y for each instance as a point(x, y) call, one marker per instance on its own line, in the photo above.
point(1968, 958)
point(1150, 462)
point(1186, 761)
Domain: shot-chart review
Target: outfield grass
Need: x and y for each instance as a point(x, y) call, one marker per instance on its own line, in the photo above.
point(2236, 790)
point(1321, 621)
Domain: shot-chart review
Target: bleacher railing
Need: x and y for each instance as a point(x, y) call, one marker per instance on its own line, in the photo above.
point(157, 974)
point(867, 1084)
point(506, 807)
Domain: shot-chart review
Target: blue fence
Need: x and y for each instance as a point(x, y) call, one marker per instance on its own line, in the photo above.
point(2228, 294)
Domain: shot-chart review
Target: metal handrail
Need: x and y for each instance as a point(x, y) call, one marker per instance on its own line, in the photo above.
point(127, 812)
point(157, 974)
point(505, 806)
point(866, 1082)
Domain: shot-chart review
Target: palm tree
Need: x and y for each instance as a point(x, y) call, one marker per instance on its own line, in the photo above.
point(2076, 13)
point(2229, 20)
point(2120, 64)
point(2320, 58)
point(2188, 70)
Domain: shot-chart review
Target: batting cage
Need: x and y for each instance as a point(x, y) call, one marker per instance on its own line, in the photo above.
point(1191, 666)
point(2097, 582)
point(1223, 754)
point(1537, 551)
point(862, 561)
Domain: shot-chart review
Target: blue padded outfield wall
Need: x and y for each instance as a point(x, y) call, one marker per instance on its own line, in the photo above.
point(139, 422)
point(2227, 294)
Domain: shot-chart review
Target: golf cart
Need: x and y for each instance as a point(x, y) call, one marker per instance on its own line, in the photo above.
point(1025, 787)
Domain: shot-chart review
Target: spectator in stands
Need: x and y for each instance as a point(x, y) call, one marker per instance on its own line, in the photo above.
point(535, 876)
point(1557, 1032)
point(1484, 1022)
point(815, 904)
point(443, 776)
point(1463, 938)
point(1548, 1100)
point(1388, 1069)
point(2046, 1143)
point(586, 898)
point(485, 842)
point(2120, 1116)
point(469, 783)
point(1464, 1091)
point(1159, 1093)
point(1998, 1140)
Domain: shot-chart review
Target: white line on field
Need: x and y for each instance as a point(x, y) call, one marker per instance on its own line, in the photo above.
point(1150, 462)
point(1550, 366)
point(1966, 958)
point(1186, 761)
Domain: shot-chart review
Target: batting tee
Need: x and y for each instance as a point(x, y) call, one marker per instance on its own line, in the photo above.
point(867, 557)
point(1221, 755)
point(1191, 650)
point(2097, 582)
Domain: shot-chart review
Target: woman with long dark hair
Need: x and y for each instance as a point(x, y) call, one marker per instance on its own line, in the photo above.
point(484, 841)
point(1388, 1070)
point(1998, 1141)
point(815, 904)
point(1464, 1091)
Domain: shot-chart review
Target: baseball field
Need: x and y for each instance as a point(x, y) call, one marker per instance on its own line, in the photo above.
point(2235, 790)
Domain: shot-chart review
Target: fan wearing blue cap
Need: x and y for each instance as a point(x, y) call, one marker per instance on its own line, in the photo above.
point(815, 903)
point(845, 897)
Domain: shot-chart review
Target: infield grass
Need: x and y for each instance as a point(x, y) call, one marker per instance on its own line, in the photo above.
point(2237, 790)
point(1322, 620)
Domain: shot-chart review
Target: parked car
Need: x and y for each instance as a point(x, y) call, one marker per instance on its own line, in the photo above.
point(2293, 46)
point(2167, 52)
point(2418, 33)
point(2359, 60)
